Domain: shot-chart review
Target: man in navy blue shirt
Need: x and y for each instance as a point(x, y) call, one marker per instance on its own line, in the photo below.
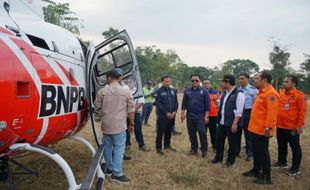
point(167, 106)
point(196, 104)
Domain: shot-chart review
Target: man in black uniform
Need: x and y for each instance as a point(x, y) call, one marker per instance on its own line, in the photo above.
point(167, 106)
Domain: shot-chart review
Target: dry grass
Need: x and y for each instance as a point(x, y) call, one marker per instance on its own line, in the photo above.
point(171, 171)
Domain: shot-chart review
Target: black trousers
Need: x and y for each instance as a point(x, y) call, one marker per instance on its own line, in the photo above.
point(128, 142)
point(261, 154)
point(290, 137)
point(164, 131)
point(194, 126)
point(138, 130)
point(212, 129)
point(245, 123)
point(223, 133)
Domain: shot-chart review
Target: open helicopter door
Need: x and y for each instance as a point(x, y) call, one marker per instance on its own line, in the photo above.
point(115, 52)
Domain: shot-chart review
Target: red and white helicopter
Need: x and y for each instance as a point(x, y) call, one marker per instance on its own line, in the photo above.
point(48, 80)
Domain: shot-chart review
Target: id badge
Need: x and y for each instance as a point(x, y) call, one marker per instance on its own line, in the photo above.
point(287, 106)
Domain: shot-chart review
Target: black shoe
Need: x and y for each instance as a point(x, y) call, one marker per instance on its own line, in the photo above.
point(120, 179)
point(159, 151)
point(293, 172)
point(263, 181)
point(144, 149)
point(170, 148)
point(216, 160)
point(125, 157)
point(204, 154)
point(280, 165)
point(108, 172)
point(251, 173)
point(192, 152)
point(228, 164)
point(176, 133)
point(249, 158)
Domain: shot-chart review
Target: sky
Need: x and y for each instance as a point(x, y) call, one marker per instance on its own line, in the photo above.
point(203, 32)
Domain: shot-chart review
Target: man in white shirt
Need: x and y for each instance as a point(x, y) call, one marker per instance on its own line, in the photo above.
point(138, 102)
point(230, 112)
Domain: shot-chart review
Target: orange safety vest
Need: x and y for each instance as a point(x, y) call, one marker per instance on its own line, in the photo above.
point(265, 111)
point(292, 109)
point(214, 99)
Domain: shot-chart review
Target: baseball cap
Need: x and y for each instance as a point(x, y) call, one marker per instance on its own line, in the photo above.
point(119, 72)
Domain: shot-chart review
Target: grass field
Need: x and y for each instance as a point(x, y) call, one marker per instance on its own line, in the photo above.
point(171, 171)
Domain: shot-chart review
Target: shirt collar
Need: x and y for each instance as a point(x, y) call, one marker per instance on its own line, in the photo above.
point(228, 92)
point(266, 88)
point(292, 91)
point(114, 83)
point(198, 88)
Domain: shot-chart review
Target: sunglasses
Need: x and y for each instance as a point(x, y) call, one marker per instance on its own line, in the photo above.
point(195, 80)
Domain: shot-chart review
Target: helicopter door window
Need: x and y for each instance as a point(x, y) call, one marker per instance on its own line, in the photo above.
point(104, 63)
point(115, 55)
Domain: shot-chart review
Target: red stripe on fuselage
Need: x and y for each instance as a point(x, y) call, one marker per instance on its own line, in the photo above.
point(44, 70)
point(68, 75)
point(19, 113)
point(5, 31)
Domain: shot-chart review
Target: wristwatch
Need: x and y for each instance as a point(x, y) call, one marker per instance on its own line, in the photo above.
point(131, 124)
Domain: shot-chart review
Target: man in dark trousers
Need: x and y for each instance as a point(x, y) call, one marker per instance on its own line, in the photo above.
point(262, 126)
point(291, 120)
point(230, 112)
point(250, 93)
point(196, 106)
point(167, 106)
point(215, 98)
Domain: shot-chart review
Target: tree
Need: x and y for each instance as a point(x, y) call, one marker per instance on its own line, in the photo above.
point(61, 15)
point(238, 66)
point(110, 32)
point(305, 66)
point(154, 63)
point(305, 77)
point(279, 59)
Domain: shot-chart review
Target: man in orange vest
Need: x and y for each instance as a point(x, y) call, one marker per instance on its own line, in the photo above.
point(215, 98)
point(262, 126)
point(291, 120)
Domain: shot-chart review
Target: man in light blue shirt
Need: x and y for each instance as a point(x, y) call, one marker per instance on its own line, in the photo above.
point(250, 93)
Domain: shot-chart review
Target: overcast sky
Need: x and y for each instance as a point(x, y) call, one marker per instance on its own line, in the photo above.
point(203, 32)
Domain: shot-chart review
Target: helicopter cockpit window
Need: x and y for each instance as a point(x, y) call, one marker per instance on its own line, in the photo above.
point(115, 55)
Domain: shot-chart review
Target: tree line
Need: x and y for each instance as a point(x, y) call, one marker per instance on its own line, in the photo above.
point(155, 63)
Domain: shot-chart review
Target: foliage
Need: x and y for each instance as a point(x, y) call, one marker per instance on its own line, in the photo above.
point(61, 15)
point(238, 66)
point(304, 76)
point(305, 66)
point(110, 32)
point(279, 59)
